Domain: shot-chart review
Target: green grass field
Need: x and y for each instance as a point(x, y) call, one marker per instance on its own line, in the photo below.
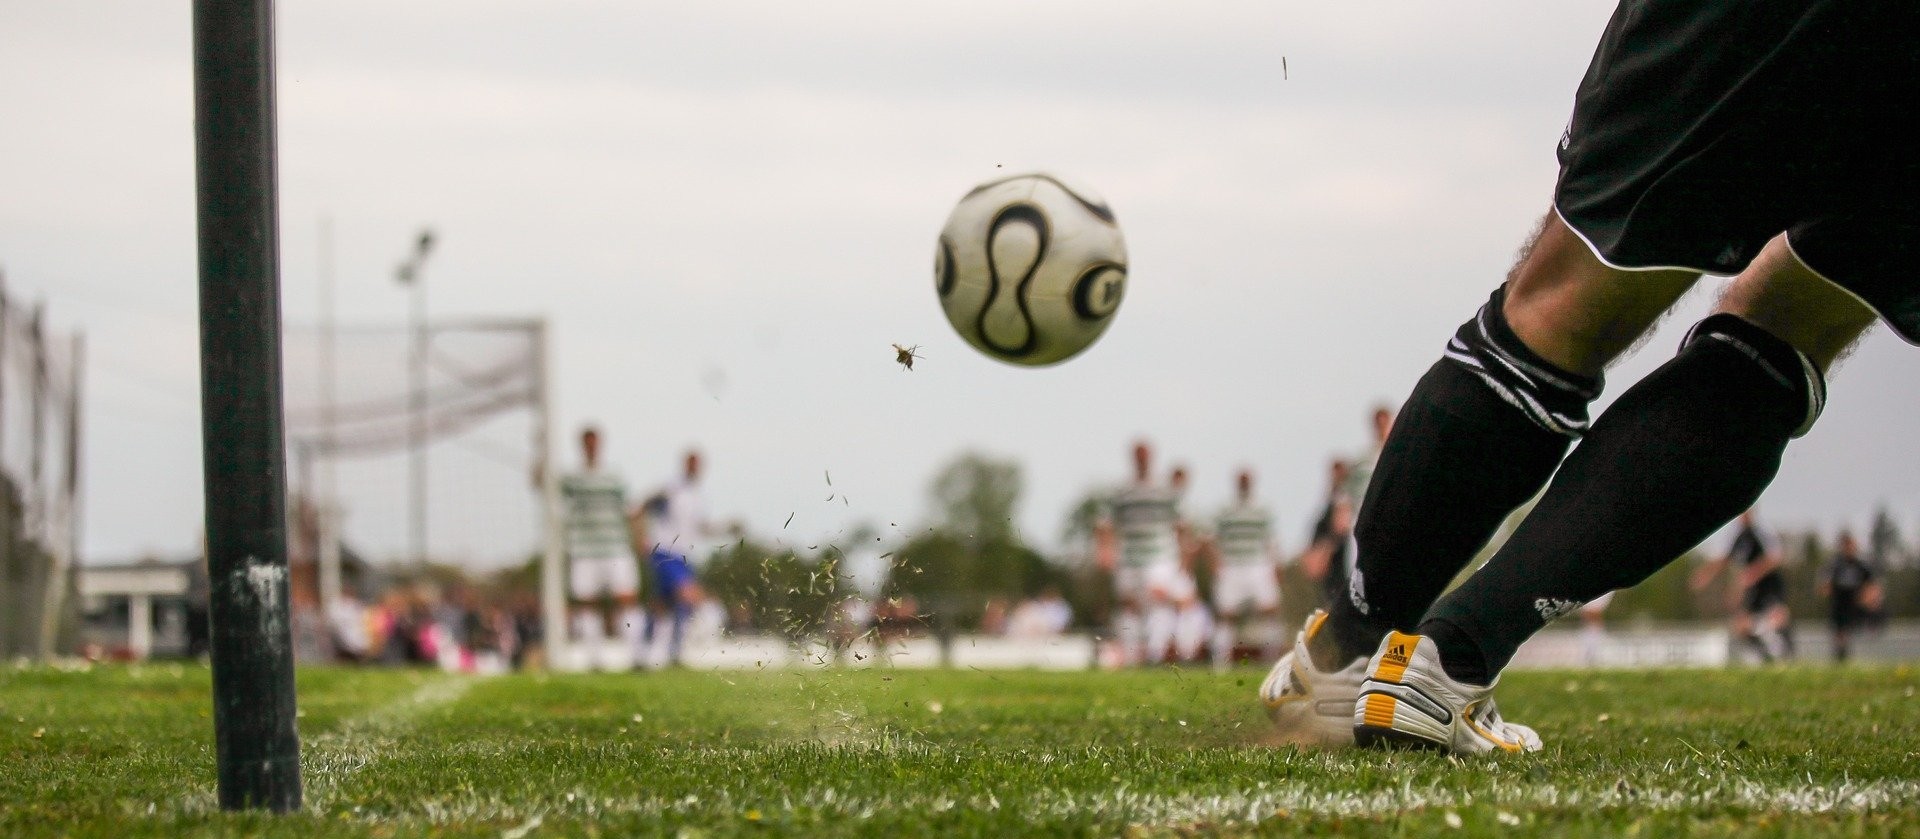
point(123, 752)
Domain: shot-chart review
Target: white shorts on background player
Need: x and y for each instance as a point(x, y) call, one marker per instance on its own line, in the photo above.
point(1162, 579)
point(1169, 582)
point(1130, 584)
point(618, 576)
point(1246, 587)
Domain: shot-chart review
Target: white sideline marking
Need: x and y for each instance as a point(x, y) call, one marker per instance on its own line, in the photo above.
point(1711, 794)
point(1154, 808)
point(327, 759)
point(330, 758)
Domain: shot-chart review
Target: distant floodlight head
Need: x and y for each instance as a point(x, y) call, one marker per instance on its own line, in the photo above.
point(410, 269)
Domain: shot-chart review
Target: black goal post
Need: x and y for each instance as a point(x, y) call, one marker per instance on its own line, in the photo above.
point(256, 747)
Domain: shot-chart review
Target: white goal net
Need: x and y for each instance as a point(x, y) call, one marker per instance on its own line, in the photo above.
point(406, 463)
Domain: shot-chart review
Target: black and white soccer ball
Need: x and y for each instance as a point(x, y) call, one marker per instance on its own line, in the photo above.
point(1031, 268)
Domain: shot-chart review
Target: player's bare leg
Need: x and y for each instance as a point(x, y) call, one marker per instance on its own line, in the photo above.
point(1792, 302)
point(1576, 312)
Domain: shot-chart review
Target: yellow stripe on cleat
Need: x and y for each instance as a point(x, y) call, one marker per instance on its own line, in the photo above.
point(1379, 712)
point(1393, 662)
point(1314, 622)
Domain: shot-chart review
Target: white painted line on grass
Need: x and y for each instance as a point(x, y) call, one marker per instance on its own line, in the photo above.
point(331, 758)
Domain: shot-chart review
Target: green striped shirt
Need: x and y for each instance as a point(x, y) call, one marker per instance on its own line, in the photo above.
point(596, 507)
point(1243, 532)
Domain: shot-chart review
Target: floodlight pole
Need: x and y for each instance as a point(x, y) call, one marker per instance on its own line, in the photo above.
point(326, 529)
point(257, 748)
point(409, 274)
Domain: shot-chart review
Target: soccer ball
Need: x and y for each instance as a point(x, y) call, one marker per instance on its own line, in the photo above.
point(1030, 269)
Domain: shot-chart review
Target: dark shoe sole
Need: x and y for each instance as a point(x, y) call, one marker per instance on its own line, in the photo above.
point(1370, 737)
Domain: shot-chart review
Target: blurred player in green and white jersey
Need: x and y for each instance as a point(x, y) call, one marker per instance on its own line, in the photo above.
point(1177, 618)
point(1246, 576)
point(600, 560)
point(1140, 536)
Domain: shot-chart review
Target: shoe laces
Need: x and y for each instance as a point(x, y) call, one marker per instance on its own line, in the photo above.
point(1485, 714)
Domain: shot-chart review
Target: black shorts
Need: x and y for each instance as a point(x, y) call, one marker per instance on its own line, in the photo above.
point(1846, 612)
point(1704, 129)
point(1764, 594)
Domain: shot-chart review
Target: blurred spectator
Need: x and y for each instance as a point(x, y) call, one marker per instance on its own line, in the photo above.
point(895, 619)
point(1046, 616)
point(347, 629)
point(993, 617)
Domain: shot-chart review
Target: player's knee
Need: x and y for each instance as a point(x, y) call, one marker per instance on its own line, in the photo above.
point(1798, 307)
point(1798, 378)
point(1549, 397)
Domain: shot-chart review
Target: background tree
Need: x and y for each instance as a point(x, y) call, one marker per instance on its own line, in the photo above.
point(1885, 549)
point(975, 496)
point(973, 553)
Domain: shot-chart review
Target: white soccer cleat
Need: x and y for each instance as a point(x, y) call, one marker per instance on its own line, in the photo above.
point(1408, 700)
point(1310, 707)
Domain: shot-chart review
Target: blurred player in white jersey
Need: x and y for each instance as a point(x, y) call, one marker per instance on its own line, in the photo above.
point(1138, 540)
point(600, 559)
point(1246, 581)
point(679, 516)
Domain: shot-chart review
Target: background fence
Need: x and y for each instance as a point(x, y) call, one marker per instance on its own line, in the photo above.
point(40, 406)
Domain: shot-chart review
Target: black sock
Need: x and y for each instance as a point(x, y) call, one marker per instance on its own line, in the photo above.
point(1460, 656)
point(1481, 433)
point(1679, 455)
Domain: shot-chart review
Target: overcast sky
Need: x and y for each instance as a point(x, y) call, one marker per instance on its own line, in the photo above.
point(727, 210)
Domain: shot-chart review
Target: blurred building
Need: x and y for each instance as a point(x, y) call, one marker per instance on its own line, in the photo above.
point(150, 608)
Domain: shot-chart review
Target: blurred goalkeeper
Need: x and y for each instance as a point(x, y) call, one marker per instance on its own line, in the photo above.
point(1751, 139)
